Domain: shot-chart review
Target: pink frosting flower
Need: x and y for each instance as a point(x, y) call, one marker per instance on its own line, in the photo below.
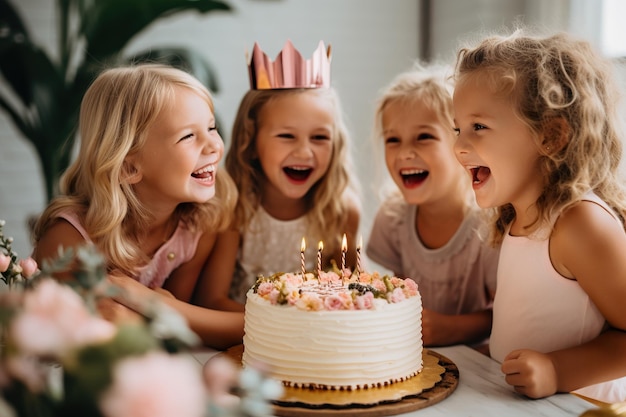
point(292, 280)
point(410, 287)
point(310, 302)
point(365, 301)
point(155, 385)
point(265, 288)
point(333, 302)
point(379, 285)
point(273, 296)
point(5, 260)
point(29, 267)
point(396, 295)
point(365, 278)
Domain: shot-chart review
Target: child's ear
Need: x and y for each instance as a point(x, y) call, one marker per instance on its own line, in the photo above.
point(556, 135)
point(131, 173)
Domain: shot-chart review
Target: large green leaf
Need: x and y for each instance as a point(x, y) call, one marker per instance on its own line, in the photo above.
point(110, 24)
point(182, 58)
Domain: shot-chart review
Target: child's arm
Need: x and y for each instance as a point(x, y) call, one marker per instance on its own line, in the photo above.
point(587, 244)
point(217, 329)
point(182, 282)
point(444, 330)
point(214, 284)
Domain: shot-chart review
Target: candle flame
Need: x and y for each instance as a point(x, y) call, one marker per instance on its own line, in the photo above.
point(320, 246)
point(344, 243)
point(303, 245)
point(360, 245)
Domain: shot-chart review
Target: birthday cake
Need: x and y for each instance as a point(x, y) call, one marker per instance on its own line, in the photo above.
point(329, 332)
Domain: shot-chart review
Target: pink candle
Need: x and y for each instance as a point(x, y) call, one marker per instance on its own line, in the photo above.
point(302, 249)
point(358, 256)
point(320, 248)
point(344, 248)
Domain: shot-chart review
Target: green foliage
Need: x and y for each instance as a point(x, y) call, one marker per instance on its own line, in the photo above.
point(44, 95)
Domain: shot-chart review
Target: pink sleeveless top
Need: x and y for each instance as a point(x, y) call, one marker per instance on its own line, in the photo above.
point(180, 248)
point(537, 308)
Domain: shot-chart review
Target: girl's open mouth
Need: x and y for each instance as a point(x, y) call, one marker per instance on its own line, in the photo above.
point(479, 174)
point(298, 173)
point(413, 177)
point(206, 174)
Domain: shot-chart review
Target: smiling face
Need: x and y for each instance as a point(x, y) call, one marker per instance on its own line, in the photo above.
point(294, 143)
point(496, 147)
point(178, 161)
point(418, 152)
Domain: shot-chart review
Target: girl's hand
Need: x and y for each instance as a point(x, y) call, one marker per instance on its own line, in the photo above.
point(435, 328)
point(117, 313)
point(531, 373)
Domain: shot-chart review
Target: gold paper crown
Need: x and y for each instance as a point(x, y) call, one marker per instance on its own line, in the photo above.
point(289, 70)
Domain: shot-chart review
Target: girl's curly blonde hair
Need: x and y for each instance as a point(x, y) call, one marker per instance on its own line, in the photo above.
point(328, 200)
point(116, 113)
point(566, 93)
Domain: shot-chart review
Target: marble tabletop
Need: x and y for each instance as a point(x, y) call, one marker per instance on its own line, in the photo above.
point(482, 391)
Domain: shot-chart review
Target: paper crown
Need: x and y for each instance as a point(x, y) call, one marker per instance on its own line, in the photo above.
point(289, 70)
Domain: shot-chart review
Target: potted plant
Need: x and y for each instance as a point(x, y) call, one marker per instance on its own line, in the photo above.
point(43, 95)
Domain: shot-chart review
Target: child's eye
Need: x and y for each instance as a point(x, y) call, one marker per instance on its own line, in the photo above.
point(285, 135)
point(213, 128)
point(478, 126)
point(423, 136)
point(321, 137)
point(392, 140)
point(189, 136)
point(457, 131)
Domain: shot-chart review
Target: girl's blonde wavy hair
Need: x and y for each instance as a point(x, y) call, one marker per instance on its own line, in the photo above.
point(566, 94)
point(115, 115)
point(430, 85)
point(328, 200)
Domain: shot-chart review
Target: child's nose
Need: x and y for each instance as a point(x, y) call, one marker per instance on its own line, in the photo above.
point(303, 149)
point(408, 152)
point(213, 143)
point(461, 145)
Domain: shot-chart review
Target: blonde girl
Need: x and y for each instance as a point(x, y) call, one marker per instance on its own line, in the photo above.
point(428, 230)
point(539, 136)
point(290, 160)
point(144, 189)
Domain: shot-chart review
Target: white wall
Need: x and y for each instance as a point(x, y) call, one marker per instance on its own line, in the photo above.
point(372, 41)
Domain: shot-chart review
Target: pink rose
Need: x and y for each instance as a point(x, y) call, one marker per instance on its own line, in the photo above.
point(310, 302)
point(29, 267)
point(55, 320)
point(365, 301)
point(155, 385)
point(273, 296)
point(292, 280)
point(379, 285)
point(396, 295)
point(265, 288)
point(410, 287)
point(333, 302)
point(5, 260)
point(365, 278)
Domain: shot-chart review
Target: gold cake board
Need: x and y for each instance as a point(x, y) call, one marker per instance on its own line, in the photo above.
point(438, 379)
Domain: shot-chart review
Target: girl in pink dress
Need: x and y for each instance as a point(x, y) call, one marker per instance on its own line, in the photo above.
point(538, 134)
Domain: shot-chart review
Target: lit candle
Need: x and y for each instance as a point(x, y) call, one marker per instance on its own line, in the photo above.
point(358, 256)
point(302, 249)
point(344, 248)
point(320, 248)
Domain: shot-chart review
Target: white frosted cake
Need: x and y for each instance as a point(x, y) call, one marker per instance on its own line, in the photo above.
point(332, 334)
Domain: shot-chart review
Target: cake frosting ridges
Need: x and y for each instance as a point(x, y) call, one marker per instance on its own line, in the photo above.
point(363, 332)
